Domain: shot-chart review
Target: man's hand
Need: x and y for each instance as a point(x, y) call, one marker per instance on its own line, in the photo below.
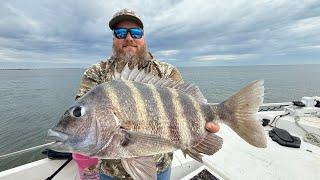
point(212, 127)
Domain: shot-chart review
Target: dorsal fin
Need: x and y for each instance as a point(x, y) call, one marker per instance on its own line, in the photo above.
point(143, 77)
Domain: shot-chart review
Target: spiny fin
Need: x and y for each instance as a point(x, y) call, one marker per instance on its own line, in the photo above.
point(141, 168)
point(184, 154)
point(239, 113)
point(139, 75)
point(209, 145)
point(194, 154)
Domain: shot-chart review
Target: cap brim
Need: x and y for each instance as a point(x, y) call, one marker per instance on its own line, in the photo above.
point(114, 21)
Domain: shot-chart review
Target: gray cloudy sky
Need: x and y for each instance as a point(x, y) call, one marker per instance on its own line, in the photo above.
point(48, 33)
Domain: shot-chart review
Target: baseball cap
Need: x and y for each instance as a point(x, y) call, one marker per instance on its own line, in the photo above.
point(122, 15)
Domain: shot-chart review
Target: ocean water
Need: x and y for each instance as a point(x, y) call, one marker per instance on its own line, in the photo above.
point(31, 101)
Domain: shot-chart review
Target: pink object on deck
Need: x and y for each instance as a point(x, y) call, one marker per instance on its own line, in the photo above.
point(86, 166)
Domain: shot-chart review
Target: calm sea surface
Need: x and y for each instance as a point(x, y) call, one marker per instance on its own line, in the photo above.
point(31, 101)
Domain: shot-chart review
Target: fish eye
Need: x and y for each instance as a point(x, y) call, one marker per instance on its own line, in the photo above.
point(78, 111)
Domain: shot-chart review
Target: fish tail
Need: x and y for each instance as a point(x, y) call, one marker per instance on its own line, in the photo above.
point(239, 113)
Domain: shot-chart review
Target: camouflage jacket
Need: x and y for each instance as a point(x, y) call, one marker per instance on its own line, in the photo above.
point(102, 72)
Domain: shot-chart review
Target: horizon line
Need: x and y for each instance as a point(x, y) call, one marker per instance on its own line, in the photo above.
point(175, 66)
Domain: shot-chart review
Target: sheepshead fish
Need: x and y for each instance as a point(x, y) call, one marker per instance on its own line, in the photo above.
point(138, 115)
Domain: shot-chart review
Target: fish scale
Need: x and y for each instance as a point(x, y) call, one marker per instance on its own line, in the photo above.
point(153, 113)
point(141, 99)
point(163, 119)
point(169, 111)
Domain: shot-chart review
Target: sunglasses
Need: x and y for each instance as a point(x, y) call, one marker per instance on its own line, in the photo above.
point(121, 33)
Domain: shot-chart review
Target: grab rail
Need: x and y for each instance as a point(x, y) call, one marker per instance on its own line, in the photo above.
point(25, 150)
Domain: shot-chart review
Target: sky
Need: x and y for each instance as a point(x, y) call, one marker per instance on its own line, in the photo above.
point(75, 33)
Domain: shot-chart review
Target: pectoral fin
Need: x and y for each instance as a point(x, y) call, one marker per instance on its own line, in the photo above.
point(193, 153)
point(142, 144)
point(130, 137)
point(141, 168)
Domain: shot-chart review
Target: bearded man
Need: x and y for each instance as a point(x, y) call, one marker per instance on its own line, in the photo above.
point(129, 46)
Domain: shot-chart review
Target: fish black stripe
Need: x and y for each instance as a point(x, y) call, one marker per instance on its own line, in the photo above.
point(164, 122)
point(140, 106)
point(151, 107)
point(192, 116)
point(207, 112)
point(127, 103)
point(168, 106)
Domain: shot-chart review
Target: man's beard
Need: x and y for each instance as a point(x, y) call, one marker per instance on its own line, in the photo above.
point(122, 58)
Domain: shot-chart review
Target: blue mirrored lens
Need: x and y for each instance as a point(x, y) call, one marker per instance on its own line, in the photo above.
point(120, 33)
point(136, 33)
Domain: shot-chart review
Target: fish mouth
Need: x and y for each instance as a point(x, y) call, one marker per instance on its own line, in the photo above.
point(57, 136)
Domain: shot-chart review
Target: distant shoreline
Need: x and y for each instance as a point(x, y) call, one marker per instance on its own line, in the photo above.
point(176, 66)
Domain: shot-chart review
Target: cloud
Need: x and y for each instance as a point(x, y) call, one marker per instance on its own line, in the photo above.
point(224, 57)
point(183, 32)
point(310, 47)
point(167, 53)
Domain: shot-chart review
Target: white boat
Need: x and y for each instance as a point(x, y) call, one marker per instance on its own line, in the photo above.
point(236, 160)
